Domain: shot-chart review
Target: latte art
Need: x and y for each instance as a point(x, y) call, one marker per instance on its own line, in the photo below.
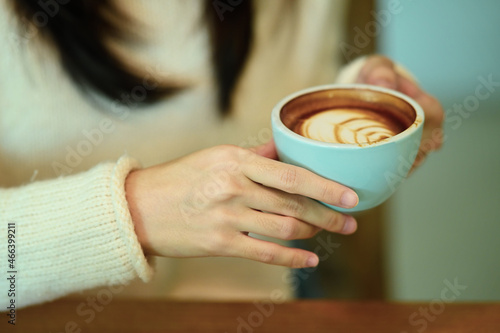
point(347, 125)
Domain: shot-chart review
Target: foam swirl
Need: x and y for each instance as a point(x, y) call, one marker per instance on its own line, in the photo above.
point(354, 126)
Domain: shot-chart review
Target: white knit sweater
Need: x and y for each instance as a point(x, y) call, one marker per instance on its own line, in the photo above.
point(63, 161)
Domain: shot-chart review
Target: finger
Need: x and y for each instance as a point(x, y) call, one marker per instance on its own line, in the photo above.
point(270, 253)
point(296, 180)
point(434, 112)
point(300, 208)
point(266, 150)
point(271, 225)
point(434, 115)
point(408, 87)
point(419, 160)
point(379, 71)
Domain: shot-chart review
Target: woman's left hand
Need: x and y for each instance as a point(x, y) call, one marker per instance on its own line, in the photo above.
point(381, 71)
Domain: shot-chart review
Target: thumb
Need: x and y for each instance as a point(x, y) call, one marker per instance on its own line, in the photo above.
point(266, 150)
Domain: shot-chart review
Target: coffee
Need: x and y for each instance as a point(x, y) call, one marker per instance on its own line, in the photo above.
point(389, 125)
point(347, 125)
point(347, 116)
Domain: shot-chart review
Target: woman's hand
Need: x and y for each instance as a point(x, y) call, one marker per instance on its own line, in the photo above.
point(381, 71)
point(206, 203)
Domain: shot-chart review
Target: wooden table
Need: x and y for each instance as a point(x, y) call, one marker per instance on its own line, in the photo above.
point(300, 316)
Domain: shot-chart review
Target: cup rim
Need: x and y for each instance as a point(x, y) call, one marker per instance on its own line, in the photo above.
point(417, 123)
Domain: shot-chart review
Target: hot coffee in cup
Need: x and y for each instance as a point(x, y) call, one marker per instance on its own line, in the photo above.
point(347, 116)
point(347, 125)
point(362, 136)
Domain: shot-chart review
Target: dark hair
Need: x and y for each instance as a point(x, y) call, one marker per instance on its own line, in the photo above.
point(79, 29)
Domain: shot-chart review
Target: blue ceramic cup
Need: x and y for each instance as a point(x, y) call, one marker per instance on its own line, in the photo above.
point(373, 170)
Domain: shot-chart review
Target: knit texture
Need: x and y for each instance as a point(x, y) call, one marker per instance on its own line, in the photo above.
point(72, 233)
point(349, 73)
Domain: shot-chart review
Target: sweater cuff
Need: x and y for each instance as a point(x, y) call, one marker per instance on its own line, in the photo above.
point(124, 220)
point(73, 233)
point(350, 72)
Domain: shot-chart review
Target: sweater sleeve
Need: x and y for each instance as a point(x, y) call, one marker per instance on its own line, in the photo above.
point(350, 72)
point(72, 233)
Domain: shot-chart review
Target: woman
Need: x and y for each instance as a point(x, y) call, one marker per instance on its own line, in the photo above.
point(89, 89)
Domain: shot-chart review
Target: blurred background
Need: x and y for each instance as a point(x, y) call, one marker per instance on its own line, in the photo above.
point(444, 223)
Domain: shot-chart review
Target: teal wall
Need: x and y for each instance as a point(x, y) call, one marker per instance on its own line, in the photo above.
point(445, 221)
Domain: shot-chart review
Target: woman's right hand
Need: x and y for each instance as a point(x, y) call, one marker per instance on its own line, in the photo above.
point(206, 203)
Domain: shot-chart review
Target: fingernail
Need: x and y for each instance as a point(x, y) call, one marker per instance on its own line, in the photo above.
point(312, 261)
point(385, 83)
point(349, 199)
point(349, 225)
